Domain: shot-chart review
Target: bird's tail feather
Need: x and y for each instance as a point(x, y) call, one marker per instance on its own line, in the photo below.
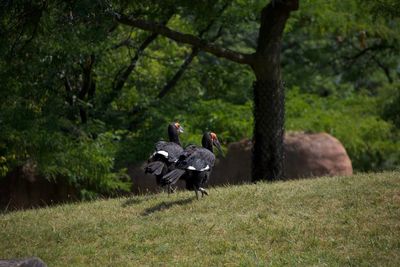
point(155, 167)
point(172, 177)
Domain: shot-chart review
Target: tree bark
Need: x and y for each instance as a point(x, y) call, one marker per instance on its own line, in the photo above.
point(269, 118)
point(269, 95)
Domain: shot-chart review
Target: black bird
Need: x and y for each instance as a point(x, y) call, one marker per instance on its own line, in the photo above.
point(165, 154)
point(194, 165)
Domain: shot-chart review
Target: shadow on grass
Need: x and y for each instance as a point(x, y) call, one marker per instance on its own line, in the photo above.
point(135, 200)
point(166, 205)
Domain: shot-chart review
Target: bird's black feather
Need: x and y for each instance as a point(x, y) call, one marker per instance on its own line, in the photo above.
point(165, 155)
point(155, 167)
point(172, 177)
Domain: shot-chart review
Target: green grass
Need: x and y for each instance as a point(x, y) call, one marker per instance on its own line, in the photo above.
point(327, 221)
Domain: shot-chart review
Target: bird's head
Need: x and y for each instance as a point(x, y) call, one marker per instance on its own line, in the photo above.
point(215, 142)
point(178, 127)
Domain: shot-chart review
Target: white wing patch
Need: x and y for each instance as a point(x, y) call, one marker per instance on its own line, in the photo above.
point(194, 169)
point(162, 152)
point(205, 168)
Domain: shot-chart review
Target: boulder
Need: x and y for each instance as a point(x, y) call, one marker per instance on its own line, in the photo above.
point(310, 155)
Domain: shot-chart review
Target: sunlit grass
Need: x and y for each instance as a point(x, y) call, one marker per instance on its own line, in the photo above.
point(327, 221)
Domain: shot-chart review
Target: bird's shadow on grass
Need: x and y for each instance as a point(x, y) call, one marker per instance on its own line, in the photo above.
point(135, 200)
point(166, 205)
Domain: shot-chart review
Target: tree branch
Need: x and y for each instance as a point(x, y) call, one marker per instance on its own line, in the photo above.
point(68, 89)
point(171, 83)
point(384, 68)
point(87, 85)
point(139, 111)
point(377, 47)
point(365, 50)
point(185, 38)
point(127, 42)
point(121, 79)
point(123, 74)
point(86, 73)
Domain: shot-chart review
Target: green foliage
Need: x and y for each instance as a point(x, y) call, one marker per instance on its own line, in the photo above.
point(391, 105)
point(42, 43)
point(87, 163)
point(371, 142)
point(341, 67)
point(332, 43)
point(339, 60)
point(384, 7)
point(230, 122)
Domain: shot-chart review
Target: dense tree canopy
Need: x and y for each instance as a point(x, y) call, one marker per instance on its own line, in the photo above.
point(82, 95)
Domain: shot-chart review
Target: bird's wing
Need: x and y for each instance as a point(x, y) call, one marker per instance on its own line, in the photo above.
point(174, 150)
point(184, 156)
point(199, 159)
point(167, 150)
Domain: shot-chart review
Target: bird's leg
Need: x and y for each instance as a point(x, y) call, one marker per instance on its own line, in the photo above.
point(173, 189)
point(197, 193)
point(203, 191)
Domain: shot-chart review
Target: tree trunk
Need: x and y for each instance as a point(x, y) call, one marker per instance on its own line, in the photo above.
point(269, 95)
point(269, 113)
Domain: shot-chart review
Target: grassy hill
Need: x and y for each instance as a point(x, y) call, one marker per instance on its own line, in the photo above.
point(326, 221)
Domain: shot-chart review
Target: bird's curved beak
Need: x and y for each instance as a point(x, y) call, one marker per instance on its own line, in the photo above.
point(218, 146)
point(180, 129)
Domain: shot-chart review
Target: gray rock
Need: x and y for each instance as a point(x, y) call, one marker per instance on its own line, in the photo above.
point(25, 262)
